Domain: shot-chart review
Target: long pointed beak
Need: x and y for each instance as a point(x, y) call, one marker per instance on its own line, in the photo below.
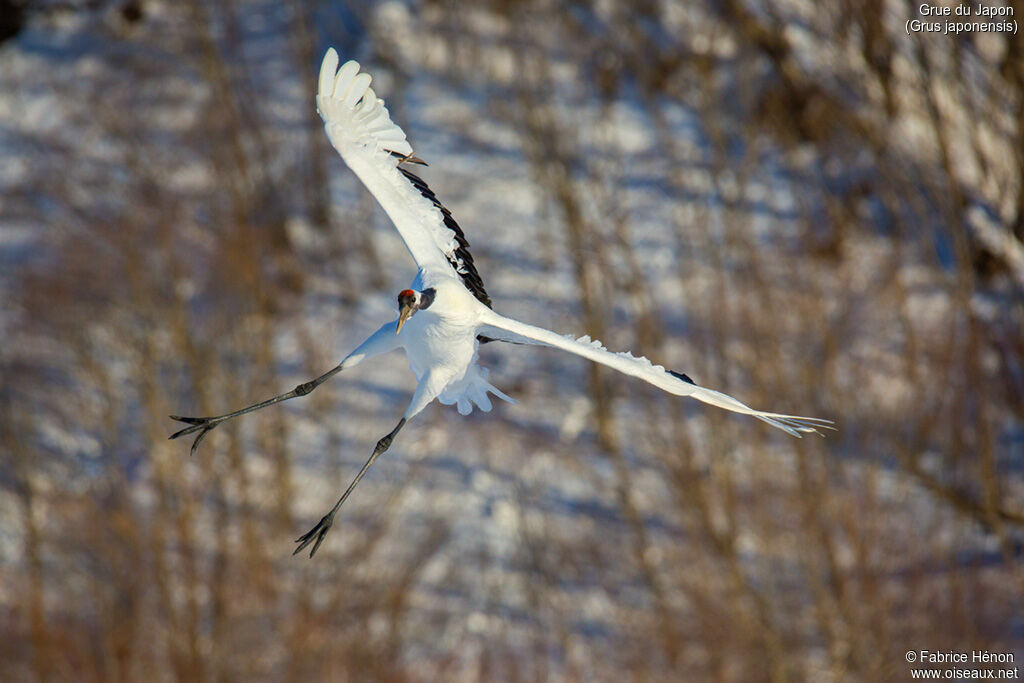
point(404, 315)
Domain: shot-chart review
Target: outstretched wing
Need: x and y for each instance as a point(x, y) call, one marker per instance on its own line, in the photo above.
point(375, 148)
point(500, 327)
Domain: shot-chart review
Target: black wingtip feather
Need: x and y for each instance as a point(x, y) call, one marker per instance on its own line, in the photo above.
point(683, 376)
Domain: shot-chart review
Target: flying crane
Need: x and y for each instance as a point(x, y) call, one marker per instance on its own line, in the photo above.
point(445, 314)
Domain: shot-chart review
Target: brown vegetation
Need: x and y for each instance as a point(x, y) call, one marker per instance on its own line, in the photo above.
point(829, 221)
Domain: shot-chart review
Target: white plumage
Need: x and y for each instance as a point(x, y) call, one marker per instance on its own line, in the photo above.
point(432, 246)
point(365, 136)
point(446, 313)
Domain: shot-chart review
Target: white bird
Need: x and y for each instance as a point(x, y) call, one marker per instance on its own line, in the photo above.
point(445, 314)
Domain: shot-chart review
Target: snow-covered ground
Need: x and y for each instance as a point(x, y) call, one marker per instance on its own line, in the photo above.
point(517, 530)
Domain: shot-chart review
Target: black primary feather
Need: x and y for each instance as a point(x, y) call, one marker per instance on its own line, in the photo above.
point(682, 376)
point(461, 259)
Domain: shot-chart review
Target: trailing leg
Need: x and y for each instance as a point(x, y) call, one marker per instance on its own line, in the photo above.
point(429, 387)
point(318, 532)
point(379, 342)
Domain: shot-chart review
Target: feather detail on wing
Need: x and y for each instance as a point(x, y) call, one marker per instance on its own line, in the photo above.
point(500, 327)
point(374, 147)
point(460, 259)
point(492, 333)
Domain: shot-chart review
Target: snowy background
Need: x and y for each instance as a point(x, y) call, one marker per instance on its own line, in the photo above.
point(796, 203)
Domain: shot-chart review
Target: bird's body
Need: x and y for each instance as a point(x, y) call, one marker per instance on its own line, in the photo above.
point(441, 342)
point(446, 313)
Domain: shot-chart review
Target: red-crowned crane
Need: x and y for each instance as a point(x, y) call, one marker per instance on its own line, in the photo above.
point(445, 314)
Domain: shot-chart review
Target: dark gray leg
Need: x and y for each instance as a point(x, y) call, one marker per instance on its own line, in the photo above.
point(381, 341)
point(205, 425)
point(318, 532)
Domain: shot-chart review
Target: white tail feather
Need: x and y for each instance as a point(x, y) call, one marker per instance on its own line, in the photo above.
point(472, 390)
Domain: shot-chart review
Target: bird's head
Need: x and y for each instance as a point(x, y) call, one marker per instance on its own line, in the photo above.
point(410, 301)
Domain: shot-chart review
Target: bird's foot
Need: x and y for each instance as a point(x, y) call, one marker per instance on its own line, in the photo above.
point(203, 425)
point(317, 534)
